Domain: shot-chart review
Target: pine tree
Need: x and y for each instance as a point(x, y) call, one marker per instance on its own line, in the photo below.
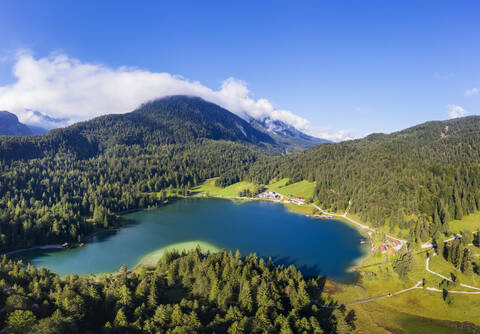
point(235, 328)
point(177, 316)
point(245, 297)
point(124, 296)
point(162, 315)
point(467, 267)
point(120, 319)
point(152, 300)
point(458, 205)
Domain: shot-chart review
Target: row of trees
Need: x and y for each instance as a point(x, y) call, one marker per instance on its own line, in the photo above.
point(185, 293)
point(457, 253)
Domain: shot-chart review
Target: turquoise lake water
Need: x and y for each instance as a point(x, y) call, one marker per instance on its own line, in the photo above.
point(316, 247)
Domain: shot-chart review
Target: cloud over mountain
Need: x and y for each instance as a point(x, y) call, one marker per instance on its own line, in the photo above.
point(455, 111)
point(66, 88)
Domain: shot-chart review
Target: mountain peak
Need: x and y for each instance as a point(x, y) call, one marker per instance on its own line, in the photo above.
point(11, 126)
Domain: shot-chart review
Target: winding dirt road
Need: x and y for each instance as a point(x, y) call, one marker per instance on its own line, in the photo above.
point(450, 280)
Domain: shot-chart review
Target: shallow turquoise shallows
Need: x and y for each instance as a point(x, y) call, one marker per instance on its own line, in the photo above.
point(316, 247)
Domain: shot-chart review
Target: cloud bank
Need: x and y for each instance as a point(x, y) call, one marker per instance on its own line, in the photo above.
point(471, 92)
point(455, 111)
point(66, 88)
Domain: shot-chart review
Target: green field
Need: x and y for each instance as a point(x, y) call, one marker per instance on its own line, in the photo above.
point(470, 223)
point(302, 189)
point(208, 188)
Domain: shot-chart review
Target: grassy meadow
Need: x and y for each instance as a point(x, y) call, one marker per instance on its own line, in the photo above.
point(416, 311)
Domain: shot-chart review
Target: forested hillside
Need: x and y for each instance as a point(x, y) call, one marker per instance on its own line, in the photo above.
point(167, 121)
point(65, 184)
point(70, 182)
point(417, 179)
point(49, 200)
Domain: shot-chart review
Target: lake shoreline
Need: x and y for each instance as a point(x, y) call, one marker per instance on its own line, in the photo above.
point(357, 263)
point(158, 252)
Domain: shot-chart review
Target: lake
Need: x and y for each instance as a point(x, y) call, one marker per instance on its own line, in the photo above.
point(316, 247)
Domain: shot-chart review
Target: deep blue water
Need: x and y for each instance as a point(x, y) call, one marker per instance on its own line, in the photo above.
point(316, 247)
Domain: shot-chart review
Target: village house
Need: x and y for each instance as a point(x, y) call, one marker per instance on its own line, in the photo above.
point(390, 243)
point(270, 195)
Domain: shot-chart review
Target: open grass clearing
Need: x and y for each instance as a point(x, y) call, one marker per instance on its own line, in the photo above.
point(299, 189)
point(470, 223)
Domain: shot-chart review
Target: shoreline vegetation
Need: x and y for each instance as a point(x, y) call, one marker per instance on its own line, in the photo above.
point(368, 268)
point(149, 258)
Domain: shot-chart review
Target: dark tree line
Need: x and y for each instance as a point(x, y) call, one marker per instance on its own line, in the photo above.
point(457, 253)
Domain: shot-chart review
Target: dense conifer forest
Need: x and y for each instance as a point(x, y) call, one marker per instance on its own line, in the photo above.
point(417, 179)
point(185, 293)
point(52, 200)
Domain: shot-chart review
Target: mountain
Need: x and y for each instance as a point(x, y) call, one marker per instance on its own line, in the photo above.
point(292, 139)
point(41, 122)
point(179, 119)
point(11, 126)
point(166, 121)
point(415, 180)
point(37, 130)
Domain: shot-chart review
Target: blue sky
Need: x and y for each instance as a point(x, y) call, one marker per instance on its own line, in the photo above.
point(356, 66)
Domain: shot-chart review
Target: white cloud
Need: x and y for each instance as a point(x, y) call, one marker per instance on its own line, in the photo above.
point(455, 111)
point(64, 87)
point(471, 92)
point(341, 135)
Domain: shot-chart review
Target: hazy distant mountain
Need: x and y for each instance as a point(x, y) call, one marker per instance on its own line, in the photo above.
point(41, 122)
point(37, 130)
point(289, 137)
point(11, 126)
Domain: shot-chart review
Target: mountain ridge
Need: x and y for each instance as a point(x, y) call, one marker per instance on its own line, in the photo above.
point(171, 120)
point(11, 126)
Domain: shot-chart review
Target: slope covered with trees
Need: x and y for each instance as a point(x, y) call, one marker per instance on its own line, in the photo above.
point(65, 184)
point(184, 293)
point(167, 121)
point(417, 179)
point(52, 200)
point(70, 182)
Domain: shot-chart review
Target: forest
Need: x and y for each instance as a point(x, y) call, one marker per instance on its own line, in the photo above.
point(415, 180)
point(53, 200)
point(185, 293)
point(74, 181)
